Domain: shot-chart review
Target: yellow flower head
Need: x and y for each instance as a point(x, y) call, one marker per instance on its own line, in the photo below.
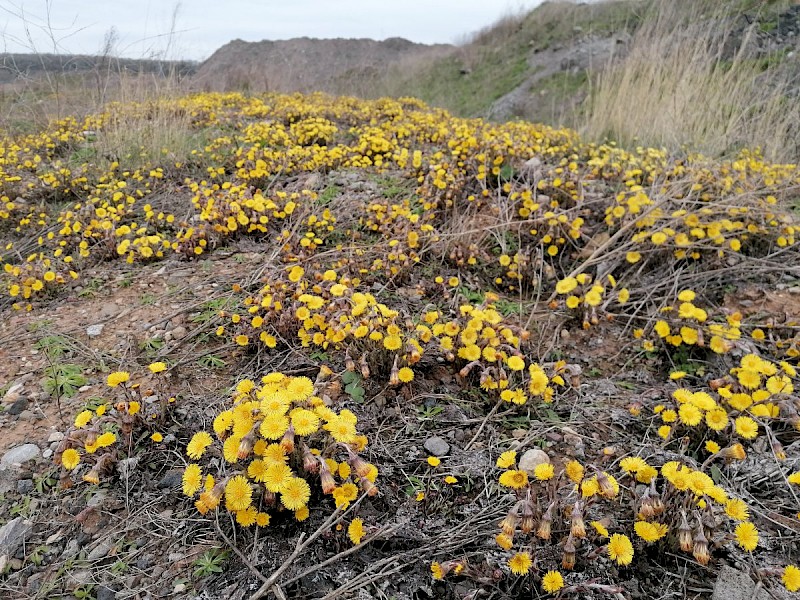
point(70, 458)
point(157, 367)
point(198, 444)
point(295, 494)
point(747, 535)
point(520, 563)
point(552, 582)
point(514, 479)
point(238, 493)
point(620, 549)
point(117, 377)
point(506, 459)
point(355, 531)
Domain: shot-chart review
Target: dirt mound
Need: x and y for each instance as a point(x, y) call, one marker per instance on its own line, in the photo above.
point(303, 64)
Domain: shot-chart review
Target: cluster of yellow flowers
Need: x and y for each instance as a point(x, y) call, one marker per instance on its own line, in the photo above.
point(534, 180)
point(673, 498)
point(92, 440)
point(583, 294)
point(757, 391)
point(273, 439)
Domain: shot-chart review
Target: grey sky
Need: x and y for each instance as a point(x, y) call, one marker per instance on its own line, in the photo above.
point(204, 25)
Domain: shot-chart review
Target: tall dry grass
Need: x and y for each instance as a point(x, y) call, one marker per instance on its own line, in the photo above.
point(692, 77)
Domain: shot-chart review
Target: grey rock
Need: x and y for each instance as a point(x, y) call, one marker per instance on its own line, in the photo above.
point(172, 479)
point(55, 436)
point(127, 466)
point(179, 332)
point(47, 453)
point(437, 446)
point(733, 584)
point(24, 486)
point(26, 415)
point(19, 405)
point(97, 498)
point(95, 330)
point(12, 535)
point(34, 583)
point(106, 593)
point(78, 578)
point(21, 454)
point(101, 550)
point(532, 459)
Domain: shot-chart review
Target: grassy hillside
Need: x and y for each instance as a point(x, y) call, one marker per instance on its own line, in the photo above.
point(614, 70)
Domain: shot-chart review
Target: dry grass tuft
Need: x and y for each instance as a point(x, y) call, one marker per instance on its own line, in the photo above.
point(687, 80)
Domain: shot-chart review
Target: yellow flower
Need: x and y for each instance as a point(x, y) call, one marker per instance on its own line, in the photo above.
point(301, 514)
point(105, 439)
point(794, 478)
point(650, 532)
point(70, 458)
point(717, 419)
point(295, 494)
point(304, 421)
point(157, 437)
point(736, 509)
point(746, 427)
point(633, 257)
point(450, 479)
point(345, 494)
point(791, 578)
point(690, 415)
point(514, 479)
point(192, 479)
point(83, 418)
point(117, 377)
point(392, 342)
point(405, 374)
point(247, 517)
point(543, 471)
point(565, 286)
point(504, 541)
point(355, 531)
point(515, 363)
point(277, 476)
point(620, 549)
point(574, 471)
point(238, 493)
point(520, 563)
point(506, 459)
point(296, 273)
point(157, 367)
point(662, 329)
point(552, 582)
point(599, 528)
point(747, 535)
point(436, 571)
point(712, 446)
point(434, 461)
point(198, 444)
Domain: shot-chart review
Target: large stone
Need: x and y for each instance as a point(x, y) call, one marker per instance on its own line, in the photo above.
point(101, 550)
point(437, 446)
point(532, 459)
point(733, 584)
point(12, 535)
point(21, 454)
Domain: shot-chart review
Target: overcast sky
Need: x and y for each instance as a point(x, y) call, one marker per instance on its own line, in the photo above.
point(202, 26)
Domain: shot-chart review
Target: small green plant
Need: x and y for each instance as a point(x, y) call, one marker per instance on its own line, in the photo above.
point(328, 194)
point(45, 482)
point(151, 345)
point(85, 592)
point(210, 562)
point(353, 386)
point(63, 379)
point(147, 299)
point(91, 288)
point(36, 556)
point(211, 361)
